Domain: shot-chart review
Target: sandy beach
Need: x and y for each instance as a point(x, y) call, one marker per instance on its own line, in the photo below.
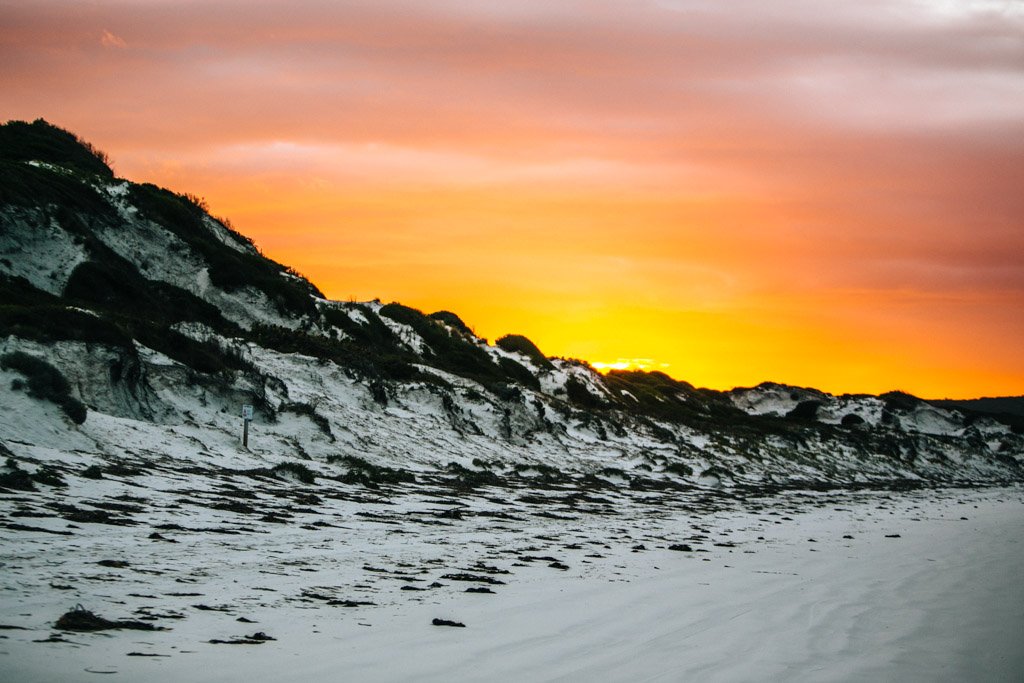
point(911, 586)
point(943, 602)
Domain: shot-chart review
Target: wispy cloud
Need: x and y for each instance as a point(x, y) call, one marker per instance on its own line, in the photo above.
point(108, 39)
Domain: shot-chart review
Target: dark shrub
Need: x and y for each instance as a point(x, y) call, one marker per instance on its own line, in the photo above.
point(116, 285)
point(45, 382)
point(661, 433)
point(580, 395)
point(517, 343)
point(297, 470)
point(360, 471)
point(466, 478)
point(92, 472)
point(804, 411)
point(613, 472)
point(74, 409)
point(17, 479)
point(656, 395)
point(17, 291)
point(505, 392)
point(900, 401)
point(373, 332)
point(452, 320)
point(405, 315)
point(679, 468)
point(852, 420)
point(41, 141)
point(519, 373)
point(545, 473)
point(30, 186)
point(49, 476)
point(717, 471)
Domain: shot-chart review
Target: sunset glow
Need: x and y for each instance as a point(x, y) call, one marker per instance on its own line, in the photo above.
point(825, 194)
point(645, 364)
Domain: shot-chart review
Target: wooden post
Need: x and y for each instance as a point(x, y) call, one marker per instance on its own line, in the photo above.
point(246, 419)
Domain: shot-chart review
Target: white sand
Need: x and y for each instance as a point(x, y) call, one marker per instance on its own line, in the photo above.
point(941, 603)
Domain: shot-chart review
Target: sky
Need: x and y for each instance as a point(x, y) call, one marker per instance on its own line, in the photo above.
point(820, 193)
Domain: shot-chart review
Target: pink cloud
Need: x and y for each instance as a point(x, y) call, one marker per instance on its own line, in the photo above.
point(108, 39)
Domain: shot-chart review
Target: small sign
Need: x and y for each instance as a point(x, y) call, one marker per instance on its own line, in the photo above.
point(247, 412)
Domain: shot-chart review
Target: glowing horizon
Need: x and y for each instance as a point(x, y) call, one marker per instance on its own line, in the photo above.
point(814, 193)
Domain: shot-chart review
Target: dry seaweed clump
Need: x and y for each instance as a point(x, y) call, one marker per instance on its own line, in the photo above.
point(81, 619)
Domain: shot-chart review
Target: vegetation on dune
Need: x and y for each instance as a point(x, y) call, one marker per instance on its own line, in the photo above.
point(518, 373)
point(372, 333)
point(465, 478)
point(900, 401)
point(852, 420)
point(452, 320)
point(42, 141)
point(680, 469)
point(517, 343)
point(295, 470)
point(457, 354)
point(55, 322)
point(363, 359)
point(804, 411)
point(43, 381)
point(359, 471)
point(117, 287)
point(229, 269)
point(656, 395)
point(39, 316)
point(59, 323)
point(579, 394)
point(27, 186)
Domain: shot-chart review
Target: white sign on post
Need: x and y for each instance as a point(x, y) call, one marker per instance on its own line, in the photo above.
point(247, 412)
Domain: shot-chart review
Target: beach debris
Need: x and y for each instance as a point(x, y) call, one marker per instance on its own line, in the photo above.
point(81, 619)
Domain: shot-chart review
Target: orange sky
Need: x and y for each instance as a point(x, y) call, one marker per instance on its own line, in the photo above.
point(817, 193)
